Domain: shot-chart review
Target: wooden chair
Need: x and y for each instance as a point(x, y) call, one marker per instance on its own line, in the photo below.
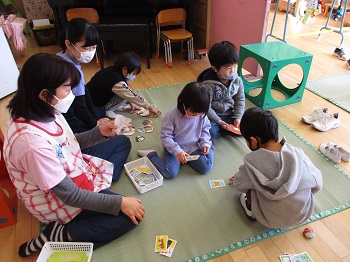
point(173, 17)
point(89, 14)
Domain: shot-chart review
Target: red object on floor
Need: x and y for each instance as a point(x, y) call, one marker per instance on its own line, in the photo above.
point(234, 129)
point(8, 197)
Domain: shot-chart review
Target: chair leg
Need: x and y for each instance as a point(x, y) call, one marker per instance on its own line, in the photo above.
point(190, 51)
point(170, 63)
point(158, 43)
point(166, 47)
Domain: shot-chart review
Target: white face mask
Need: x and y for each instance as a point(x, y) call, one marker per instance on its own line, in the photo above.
point(86, 56)
point(64, 104)
point(130, 78)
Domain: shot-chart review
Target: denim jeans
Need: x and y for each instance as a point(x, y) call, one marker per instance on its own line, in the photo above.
point(169, 167)
point(116, 150)
point(216, 128)
point(99, 228)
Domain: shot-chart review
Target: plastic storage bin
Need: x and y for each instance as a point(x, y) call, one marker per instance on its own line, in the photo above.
point(144, 161)
point(51, 247)
point(45, 35)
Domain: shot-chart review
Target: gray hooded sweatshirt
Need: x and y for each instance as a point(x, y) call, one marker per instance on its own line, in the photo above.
point(282, 185)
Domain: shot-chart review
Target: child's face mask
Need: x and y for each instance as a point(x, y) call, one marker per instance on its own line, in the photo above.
point(189, 114)
point(86, 56)
point(64, 104)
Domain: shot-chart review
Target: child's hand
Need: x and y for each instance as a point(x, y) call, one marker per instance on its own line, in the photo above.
point(237, 122)
point(133, 208)
point(102, 120)
point(133, 106)
point(205, 150)
point(181, 157)
point(223, 124)
point(231, 180)
point(108, 128)
point(154, 112)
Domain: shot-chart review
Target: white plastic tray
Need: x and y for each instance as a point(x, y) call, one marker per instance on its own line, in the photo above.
point(51, 247)
point(139, 162)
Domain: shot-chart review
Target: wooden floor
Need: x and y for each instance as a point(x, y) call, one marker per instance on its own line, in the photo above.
point(332, 241)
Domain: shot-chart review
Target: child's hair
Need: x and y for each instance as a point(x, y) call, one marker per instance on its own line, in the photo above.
point(257, 122)
point(223, 53)
point(194, 96)
point(41, 71)
point(129, 59)
point(77, 30)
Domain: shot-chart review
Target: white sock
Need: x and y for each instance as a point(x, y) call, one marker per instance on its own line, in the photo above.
point(144, 153)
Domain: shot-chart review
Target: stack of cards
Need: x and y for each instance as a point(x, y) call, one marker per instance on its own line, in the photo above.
point(143, 175)
point(164, 245)
point(216, 183)
point(302, 257)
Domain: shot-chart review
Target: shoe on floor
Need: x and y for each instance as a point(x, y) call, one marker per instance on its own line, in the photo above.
point(327, 122)
point(345, 155)
point(331, 153)
point(348, 63)
point(144, 153)
point(249, 213)
point(315, 115)
point(339, 52)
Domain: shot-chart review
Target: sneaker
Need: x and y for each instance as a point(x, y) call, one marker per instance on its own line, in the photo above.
point(327, 122)
point(339, 52)
point(144, 153)
point(345, 155)
point(249, 213)
point(315, 115)
point(348, 63)
point(331, 153)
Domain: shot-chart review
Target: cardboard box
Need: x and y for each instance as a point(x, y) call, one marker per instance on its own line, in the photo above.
point(144, 162)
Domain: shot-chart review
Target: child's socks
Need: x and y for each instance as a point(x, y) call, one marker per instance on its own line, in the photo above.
point(53, 232)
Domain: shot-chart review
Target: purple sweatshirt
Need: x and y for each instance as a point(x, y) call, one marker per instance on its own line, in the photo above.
point(180, 133)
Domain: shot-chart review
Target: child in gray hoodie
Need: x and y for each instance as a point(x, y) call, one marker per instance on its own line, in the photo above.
point(277, 180)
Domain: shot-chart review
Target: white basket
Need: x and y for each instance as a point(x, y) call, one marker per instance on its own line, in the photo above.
point(51, 247)
point(139, 162)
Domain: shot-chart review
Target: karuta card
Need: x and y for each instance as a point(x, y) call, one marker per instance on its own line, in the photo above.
point(216, 183)
point(171, 246)
point(302, 257)
point(192, 158)
point(161, 244)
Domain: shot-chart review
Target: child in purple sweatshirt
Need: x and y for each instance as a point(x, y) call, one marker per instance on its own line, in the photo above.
point(184, 133)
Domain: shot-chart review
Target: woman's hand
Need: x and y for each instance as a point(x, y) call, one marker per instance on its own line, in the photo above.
point(205, 150)
point(108, 128)
point(181, 157)
point(154, 112)
point(133, 208)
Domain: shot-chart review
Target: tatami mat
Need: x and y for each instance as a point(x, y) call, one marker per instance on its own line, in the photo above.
point(206, 222)
point(333, 88)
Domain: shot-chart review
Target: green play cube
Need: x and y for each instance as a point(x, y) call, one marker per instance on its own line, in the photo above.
point(272, 57)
